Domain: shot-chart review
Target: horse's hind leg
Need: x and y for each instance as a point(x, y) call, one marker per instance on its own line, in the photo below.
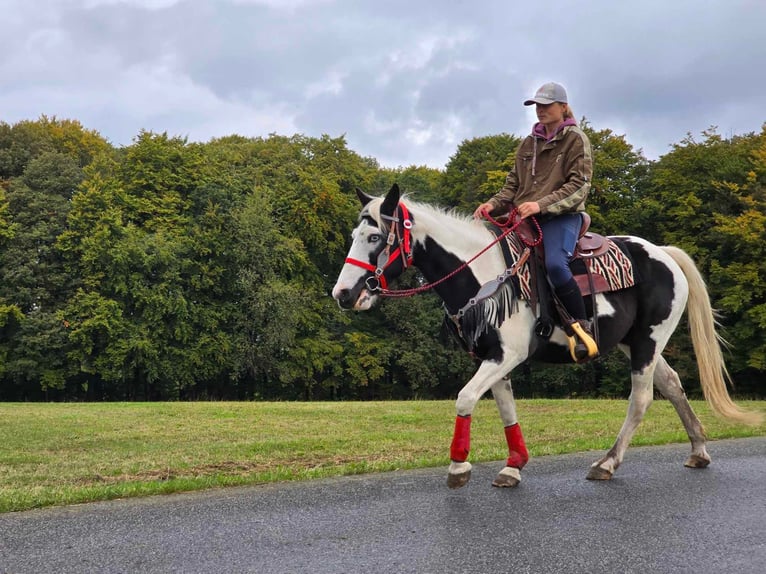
point(668, 383)
point(641, 397)
point(510, 476)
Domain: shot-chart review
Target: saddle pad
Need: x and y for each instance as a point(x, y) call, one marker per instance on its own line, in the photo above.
point(611, 271)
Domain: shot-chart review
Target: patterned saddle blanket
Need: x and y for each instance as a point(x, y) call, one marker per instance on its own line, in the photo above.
point(599, 265)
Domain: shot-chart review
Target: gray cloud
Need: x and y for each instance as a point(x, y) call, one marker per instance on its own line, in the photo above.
point(406, 82)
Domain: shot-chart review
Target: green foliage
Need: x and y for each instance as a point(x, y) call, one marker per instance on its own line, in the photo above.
point(147, 269)
point(738, 263)
point(31, 269)
point(10, 320)
point(685, 189)
point(7, 229)
point(176, 270)
point(42, 161)
point(38, 360)
point(618, 172)
point(26, 140)
point(421, 183)
point(707, 197)
point(477, 170)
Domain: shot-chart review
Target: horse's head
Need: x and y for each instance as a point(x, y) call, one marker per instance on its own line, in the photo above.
point(381, 250)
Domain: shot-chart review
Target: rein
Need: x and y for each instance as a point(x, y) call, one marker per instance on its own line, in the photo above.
point(509, 228)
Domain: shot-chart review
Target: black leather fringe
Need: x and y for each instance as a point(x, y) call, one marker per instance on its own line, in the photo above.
point(488, 313)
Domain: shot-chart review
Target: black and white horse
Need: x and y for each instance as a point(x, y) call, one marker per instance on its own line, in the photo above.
point(394, 232)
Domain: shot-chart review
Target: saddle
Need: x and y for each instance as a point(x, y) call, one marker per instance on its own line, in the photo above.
point(590, 244)
point(598, 264)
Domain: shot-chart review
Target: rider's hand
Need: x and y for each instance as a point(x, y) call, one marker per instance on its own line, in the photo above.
point(528, 208)
point(479, 213)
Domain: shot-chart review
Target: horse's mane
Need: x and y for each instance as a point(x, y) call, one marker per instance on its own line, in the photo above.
point(426, 216)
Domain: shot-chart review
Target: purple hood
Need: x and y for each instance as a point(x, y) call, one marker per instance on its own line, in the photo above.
point(538, 130)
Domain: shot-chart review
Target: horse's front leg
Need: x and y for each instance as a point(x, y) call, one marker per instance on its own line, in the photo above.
point(488, 374)
point(518, 456)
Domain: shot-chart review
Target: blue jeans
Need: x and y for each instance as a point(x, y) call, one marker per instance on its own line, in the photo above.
point(559, 240)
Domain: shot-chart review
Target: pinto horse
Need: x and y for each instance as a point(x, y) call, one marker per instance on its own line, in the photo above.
point(457, 257)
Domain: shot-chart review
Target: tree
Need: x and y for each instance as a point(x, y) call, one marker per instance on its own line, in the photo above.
point(176, 270)
point(477, 170)
point(31, 269)
point(680, 196)
point(618, 171)
point(738, 265)
point(421, 183)
point(33, 277)
point(7, 228)
point(26, 140)
point(705, 198)
point(148, 273)
point(270, 265)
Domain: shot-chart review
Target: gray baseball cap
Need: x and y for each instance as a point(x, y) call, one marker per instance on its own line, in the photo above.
point(549, 93)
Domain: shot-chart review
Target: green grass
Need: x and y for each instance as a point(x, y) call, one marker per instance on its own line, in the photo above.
point(54, 454)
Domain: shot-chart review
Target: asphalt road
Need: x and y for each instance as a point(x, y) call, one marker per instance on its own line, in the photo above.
point(654, 516)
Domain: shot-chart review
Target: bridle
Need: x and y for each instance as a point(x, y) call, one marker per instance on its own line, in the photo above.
point(378, 282)
point(400, 235)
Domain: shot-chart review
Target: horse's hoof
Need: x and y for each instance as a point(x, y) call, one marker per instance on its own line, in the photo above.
point(458, 480)
point(507, 478)
point(696, 461)
point(598, 473)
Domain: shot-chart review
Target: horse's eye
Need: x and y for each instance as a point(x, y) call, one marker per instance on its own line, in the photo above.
point(374, 238)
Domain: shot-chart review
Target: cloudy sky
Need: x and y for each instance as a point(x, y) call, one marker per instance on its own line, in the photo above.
point(404, 81)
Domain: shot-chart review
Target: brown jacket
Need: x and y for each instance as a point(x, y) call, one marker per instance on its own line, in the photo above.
point(556, 173)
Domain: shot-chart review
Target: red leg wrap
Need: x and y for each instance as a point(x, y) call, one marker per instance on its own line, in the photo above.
point(461, 440)
point(517, 450)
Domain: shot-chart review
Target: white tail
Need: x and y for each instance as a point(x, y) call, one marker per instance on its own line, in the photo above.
point(707, 344)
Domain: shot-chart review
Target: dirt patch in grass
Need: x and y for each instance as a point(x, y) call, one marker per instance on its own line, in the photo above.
point(233, 468)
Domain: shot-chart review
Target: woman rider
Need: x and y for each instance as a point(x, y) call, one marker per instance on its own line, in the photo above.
point(551, 178)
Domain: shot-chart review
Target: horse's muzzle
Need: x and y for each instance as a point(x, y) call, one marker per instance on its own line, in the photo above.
point(345, 298)
point(356, 299)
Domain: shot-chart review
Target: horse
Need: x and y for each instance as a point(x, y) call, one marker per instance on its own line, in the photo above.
point(463, 262)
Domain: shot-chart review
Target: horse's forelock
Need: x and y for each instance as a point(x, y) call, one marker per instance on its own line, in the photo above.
point(371, 212)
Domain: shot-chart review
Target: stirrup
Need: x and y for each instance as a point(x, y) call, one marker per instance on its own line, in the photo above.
point(582, 347)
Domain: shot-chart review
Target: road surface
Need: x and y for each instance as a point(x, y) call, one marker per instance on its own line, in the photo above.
point(654, 516)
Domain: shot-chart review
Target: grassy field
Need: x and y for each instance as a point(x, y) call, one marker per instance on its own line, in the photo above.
point(68, 453)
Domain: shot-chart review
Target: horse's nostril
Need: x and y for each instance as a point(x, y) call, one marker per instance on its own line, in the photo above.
point(349, 302)
point(343, 297)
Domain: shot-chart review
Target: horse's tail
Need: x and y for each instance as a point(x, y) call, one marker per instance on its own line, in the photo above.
point(707, 344)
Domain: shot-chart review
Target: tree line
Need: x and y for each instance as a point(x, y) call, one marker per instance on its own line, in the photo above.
point(171, 270)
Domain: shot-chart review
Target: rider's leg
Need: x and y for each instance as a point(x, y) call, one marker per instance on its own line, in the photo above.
point(559, 240)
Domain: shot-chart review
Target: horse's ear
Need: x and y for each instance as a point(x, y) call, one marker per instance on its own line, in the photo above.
point(391, 201)
point(363, 197)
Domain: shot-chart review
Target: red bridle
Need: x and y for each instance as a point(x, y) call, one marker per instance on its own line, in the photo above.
point(390, 254)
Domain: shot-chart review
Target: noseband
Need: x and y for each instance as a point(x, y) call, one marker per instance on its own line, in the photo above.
point(398, 245)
